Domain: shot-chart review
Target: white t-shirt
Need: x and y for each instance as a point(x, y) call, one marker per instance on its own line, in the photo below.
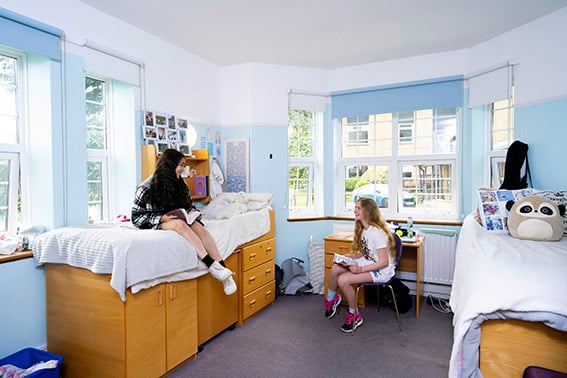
point(374, 239)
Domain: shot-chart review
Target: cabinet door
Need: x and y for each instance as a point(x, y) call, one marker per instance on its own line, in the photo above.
point(181, 314)
point(217, 311)
point(145, 330)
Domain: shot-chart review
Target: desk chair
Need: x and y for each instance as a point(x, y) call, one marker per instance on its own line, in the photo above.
point(387, 284)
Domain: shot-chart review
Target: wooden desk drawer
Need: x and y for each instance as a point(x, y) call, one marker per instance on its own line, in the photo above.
point(341, 247)
point(257, 254)
point(258, 299)
point(258, 276)
point(329, 260)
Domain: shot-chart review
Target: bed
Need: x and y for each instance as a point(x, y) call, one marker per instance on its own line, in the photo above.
point(126, 302)
point(509, 303)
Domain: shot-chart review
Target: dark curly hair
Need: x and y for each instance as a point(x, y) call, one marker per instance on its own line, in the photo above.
point(168, 192)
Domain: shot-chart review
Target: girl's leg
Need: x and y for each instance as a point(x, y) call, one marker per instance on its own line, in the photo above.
point(207, 241)
point(184, 230)
point(336, 271)
point(345, 282)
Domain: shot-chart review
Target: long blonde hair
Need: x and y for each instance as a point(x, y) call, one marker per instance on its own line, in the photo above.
point(374, 218)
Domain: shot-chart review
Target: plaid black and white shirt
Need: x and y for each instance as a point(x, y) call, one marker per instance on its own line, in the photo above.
point(144, 214)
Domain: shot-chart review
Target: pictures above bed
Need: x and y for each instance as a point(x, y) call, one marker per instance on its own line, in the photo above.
point(168, 131)
point(492, 207)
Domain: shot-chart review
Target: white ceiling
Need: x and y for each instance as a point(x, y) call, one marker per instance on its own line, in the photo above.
point(324, 33)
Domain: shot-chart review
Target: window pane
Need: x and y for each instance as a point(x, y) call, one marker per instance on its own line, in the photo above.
point(8, 100)
point(366, 181)
point(367, 136)
point(435, 132)
point(94, 90)
point(502, 128)
point(95, 113)
point(300, 193)
point(94, 190)
point(4, 193)
point(300, 133)
point(427, 186)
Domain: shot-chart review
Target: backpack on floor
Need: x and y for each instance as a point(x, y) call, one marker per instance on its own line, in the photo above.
point(403, 297)
point(295, 280)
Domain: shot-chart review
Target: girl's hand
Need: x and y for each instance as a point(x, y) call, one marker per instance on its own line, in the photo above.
point(355, 269)
point(166, 218)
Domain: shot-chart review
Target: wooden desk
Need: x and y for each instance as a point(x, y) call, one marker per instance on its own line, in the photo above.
point(412, 261)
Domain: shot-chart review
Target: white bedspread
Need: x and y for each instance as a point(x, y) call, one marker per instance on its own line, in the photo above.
point(498, 274)
point(139, 259)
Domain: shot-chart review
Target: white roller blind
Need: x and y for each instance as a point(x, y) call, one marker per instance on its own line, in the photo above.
point(490, 86)
point(101, 61)
point(307, 101)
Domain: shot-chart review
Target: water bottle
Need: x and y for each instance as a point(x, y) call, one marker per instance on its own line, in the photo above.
point(410, 227)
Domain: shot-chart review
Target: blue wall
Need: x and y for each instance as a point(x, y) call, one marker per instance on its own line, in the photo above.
point(544, 128)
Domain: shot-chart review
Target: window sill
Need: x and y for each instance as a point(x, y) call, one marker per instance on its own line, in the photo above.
point(347, 218)
point(15, 256)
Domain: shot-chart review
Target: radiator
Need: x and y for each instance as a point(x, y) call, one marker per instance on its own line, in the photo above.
point(439, 260)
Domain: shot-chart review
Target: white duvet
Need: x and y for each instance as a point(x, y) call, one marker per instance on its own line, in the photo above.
point(139, 259)
point(501, 275)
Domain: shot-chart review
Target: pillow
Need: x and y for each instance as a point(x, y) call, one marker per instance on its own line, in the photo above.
point(535, 218)
point(560, 198)
point(492, 206)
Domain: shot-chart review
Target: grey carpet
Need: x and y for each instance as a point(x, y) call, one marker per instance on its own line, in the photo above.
point(292, 338)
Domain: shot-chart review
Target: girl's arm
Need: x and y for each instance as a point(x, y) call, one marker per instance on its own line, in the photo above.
point(143, 216)
point(381, 263)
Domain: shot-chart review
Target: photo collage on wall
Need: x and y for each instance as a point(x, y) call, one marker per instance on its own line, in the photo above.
point(166, 131)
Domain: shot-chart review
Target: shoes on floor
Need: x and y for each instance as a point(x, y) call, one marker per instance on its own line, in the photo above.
point(219, 272)
point(331, 306)
point(352, 322)
point(229, 286)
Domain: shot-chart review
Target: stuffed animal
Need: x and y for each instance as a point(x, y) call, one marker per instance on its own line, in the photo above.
point(535, 218)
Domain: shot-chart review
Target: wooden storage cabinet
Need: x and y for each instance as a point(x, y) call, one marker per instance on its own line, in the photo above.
point(258, 276)
point(99, 335)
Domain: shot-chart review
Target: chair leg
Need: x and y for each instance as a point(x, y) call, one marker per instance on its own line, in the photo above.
point(396, 307)
point(378, 297)
point(355, 307)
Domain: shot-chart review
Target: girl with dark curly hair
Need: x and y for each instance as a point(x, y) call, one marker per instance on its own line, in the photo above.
point(165, 191)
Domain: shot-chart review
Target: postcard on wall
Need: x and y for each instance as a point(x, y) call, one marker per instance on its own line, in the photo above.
point(492, 206)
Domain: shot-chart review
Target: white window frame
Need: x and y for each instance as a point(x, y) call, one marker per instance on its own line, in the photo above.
point(496, 157)
point(314, 207)
point(104, 156)
point(16, 153)
point(395, 162)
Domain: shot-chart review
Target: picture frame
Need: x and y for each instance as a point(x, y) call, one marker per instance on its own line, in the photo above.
point(237, 167)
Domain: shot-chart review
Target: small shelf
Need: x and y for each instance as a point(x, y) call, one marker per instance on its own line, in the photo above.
point(199, 163)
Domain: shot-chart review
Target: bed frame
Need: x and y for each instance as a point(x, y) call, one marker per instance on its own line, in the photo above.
point(507, 347)
point(155, 330)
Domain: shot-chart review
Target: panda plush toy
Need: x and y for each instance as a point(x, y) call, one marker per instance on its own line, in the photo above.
point(535, 218)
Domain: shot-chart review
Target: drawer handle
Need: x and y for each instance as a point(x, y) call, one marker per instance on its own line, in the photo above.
point(268, 293)
point(252, 303)
point(252, 279)
point(252, 256)
point(173, 292)
point(268, 272)
point(159, 298)
point(269, 249)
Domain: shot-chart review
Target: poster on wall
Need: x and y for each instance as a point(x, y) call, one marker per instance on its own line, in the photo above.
point(166, 131)
point(237, 166)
